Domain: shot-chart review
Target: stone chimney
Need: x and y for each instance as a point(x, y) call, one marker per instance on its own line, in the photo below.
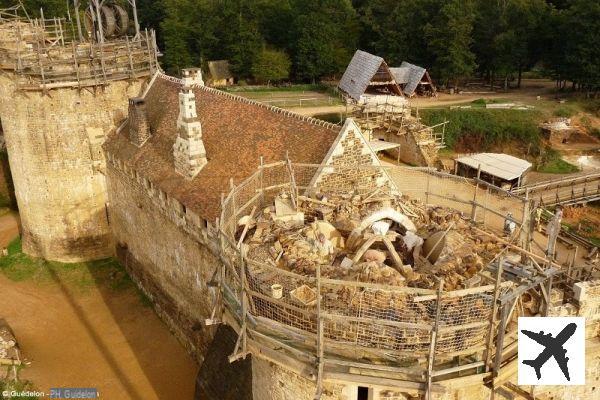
point(188, 150)
point(192, 76)
point(139, 128)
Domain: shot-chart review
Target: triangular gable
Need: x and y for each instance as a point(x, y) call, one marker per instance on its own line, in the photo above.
point(367, 70)
point(340, 170)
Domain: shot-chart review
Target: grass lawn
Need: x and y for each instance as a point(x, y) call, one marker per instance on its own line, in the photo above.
point(289, 96)
point(81, 277)
point(19, 386)
point(558, 166)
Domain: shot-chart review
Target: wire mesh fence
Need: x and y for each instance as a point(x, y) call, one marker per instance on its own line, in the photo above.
point(360, 316)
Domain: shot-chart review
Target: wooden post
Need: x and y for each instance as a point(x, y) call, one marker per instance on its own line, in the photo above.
point(320, 339)
point(488, 350)
point(434, 335)
point(500, 339)
point(427, 188)
point(526, 223)
point(474, 202)
point(261, 178)
point(548, 296)
point(131, 68)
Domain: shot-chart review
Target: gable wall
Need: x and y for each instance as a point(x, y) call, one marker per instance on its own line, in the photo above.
point(349, 152)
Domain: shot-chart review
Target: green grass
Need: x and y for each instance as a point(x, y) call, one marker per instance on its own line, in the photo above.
point(81, 277)
point(19, 386)
point(291, 88)
point(485, 128)
point(565, 111)
point(552, 163)
point(483, 102)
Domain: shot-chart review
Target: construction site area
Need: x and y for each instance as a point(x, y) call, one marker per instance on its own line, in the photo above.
point(285, 257)
point(412, 295)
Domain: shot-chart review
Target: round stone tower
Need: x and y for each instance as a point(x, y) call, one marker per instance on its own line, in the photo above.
point(59, 97)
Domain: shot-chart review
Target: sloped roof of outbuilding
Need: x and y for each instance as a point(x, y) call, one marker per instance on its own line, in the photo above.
point(410, 75)
point(401, 74)
point(501, 165)
point(359, 73)
point(236, 132)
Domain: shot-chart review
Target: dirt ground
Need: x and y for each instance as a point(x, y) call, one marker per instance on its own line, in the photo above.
point(530, 90)
point(100, 337)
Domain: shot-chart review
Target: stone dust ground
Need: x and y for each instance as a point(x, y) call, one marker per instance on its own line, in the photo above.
point(93, 335)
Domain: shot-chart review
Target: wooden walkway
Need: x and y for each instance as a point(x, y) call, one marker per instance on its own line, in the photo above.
point(579, 189)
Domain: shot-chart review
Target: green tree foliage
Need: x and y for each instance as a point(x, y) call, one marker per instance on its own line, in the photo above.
point(495, 39)
point(450, 37)
point(574, 53)
point(325, 37)
point(271, 66)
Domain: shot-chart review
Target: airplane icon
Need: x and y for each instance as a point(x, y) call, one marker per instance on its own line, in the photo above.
point(553, 348)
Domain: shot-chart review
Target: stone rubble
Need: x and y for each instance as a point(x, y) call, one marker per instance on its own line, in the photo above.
point(321, 232)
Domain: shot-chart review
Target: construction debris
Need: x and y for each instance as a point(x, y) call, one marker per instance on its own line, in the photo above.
point(9, 351)
point(368, 238)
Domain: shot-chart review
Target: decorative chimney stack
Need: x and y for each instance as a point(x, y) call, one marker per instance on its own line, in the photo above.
point(139, 128)
point(192, 76)
point(188, 150)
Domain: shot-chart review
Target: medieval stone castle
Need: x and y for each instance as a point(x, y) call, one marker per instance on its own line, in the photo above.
point(110, 156)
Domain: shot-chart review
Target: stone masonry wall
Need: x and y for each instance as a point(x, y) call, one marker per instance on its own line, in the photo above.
point(348, 154)
point(54, 146)
point(171, 265)
point(272, 382)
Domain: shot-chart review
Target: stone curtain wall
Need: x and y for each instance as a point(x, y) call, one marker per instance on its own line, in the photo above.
point(161, 245)
point(54, 147)
point(272, 382)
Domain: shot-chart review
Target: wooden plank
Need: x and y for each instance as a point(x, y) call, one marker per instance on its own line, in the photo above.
point(458, 368)
point(390, 384)
point(404, 325)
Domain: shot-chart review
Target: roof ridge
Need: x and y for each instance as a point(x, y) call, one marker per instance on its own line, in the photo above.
point(278, 110)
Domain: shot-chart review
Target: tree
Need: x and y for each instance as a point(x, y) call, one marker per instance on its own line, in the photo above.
point(271, 65)
point(326, 33)
point(450, 38)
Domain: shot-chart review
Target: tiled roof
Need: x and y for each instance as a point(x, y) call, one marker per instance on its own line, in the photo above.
point(236, 133)
point(359, 73)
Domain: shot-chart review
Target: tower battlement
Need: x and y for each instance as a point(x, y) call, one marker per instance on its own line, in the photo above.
point(54, 53)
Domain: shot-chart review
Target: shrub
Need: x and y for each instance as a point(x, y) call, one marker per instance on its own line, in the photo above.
point(564, 112)
point(552, 163)
point(486, 127)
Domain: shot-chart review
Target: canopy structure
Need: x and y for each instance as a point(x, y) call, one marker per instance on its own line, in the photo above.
point(410, 77)
point(368, 73)
point(381, 145)
point(503, 166)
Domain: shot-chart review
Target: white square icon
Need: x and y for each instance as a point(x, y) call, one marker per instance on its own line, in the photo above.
point(551, 351)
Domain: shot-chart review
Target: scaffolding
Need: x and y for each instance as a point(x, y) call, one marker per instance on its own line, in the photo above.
point(399, 338)
point(47, 54)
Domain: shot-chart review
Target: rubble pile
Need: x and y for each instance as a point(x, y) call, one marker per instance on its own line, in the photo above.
point(9, 352)
point(376, 238)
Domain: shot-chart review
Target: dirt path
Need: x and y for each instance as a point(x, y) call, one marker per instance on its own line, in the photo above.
point(530, 90)
point(86, 340)
point(98, 337)
point(9, 228)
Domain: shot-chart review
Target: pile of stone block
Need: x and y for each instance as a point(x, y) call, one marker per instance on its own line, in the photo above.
point(9, 351)
point(333, 232)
